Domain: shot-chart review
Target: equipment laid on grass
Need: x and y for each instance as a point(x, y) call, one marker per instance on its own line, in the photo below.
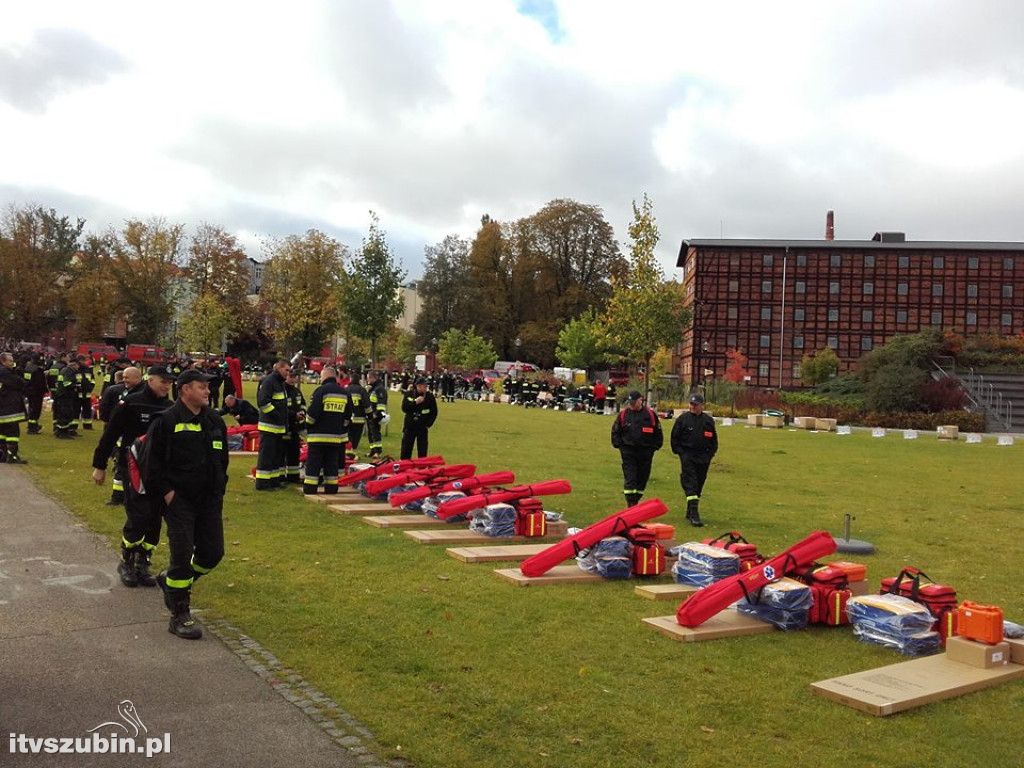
point(616, 523)
point(419, 474)
point(461, 506)
point(939, 599)
point(433, 488)
point(894, 622)
point(611, 558)
point(734, 542)
point(364, 474)
point(785, 603)
point(494, 520)
point(530, 519)
point(980, 622)
point(700, 565)
point(710, 600)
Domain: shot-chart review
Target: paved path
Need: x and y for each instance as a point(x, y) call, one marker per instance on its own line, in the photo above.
point(74, 644)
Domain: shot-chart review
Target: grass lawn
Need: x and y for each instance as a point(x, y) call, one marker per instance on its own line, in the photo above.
point(450, 666)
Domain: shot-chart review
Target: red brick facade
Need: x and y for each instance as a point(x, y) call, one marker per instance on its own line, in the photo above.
point(779, 300)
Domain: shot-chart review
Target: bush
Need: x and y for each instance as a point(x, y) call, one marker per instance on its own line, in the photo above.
point(850, 384)
point(944, 395)
point(965, 420)
point(896, 387)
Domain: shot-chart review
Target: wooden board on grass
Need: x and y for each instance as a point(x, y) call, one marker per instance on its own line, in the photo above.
point(463, 536)
point(678, 592)
point(728, 623)
point(403, 521)
point(338, 498)
point(512, 552)
point(355, 509)
point(898, 687)
point(343, 490)
point(560, 574)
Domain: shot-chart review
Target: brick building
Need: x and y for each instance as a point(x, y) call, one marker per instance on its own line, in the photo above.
point(778, 300)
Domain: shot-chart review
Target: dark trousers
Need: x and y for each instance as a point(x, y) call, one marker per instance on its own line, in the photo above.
point(326, 458)
point(85, 411)
point(374, 436)
point(636, 469)
point(291, 458)
point(142, 518)
point(270, 460)
point(64, 413)
point(35, 410)
point(420, 437)
point(195, 535)
point(10, 439)
point(692, 476)
point(355, 435)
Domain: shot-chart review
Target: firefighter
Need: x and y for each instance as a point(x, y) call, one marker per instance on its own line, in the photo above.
point(420, 409)
point(359, 399)
point(86, 385)
point(53, 368)
point(187, 472)
point(327, 421)
point(296, 424)
point(636, 432)
point(695, 441)
point(66, 399)
point(35, 391)
point(129, 420)
point(126, 382)
point(12, 409)
point(243, 411)
point(378, 410)
point(272, 402)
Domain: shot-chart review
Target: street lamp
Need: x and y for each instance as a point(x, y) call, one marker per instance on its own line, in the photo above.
point(518, 342)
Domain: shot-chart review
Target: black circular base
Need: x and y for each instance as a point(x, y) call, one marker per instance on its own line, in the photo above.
point(854, 547)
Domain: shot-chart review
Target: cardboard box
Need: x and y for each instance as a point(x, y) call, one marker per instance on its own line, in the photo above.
point(772, 422)
point(1016, 650)
point(976, 654)
point(951, 432)
point(755, 419)
point(859, 588)
point(825, 425)
point(805, 422)
point(898, 687)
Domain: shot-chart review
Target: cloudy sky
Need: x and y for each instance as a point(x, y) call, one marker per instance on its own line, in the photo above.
point(742, 119)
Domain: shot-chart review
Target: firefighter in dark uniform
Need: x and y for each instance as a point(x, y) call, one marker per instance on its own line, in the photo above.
point(131, 382)
point(272, 403)
point(378, 410)
point(12, 409)
point(188, 473)
point(35, 391)
point(129, 420)
point(695, 440)
point(53, 368)
point(420, 409)
point(327, 421)
point(86, 385)
point(243, 411)
point(296, 424)
point(66, 400)
point(636, 432)
point(359, 399)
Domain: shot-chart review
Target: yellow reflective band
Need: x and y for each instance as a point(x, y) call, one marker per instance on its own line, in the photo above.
point(188, 427)
point(335, 403)
point(179, 583)
point(277, 396)
point(267, 408)
point(130, 544)
point(264, 474)
point(311, 481)
point(274, 429)
point(217, 445)
point(147, 546)
point(324, 439)
point(692, 498)
point(117, 485)
point(199, 568)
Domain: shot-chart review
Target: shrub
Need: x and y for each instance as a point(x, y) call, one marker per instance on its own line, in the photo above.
point(896, 387)
point(943, 395)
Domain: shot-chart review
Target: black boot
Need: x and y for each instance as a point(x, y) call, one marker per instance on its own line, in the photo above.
point(142, 573)
point(126, 568)
point(693, 513)
point(182, 624)
point(161, 581)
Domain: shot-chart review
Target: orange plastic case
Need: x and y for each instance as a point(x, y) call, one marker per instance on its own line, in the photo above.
point(854, 571)
point(980, 622)
point(661, 530)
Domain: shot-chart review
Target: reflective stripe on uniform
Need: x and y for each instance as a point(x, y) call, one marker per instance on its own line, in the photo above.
point(272, 428)
point(179, 583)
point(188, 427)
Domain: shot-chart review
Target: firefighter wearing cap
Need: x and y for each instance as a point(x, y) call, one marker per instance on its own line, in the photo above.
point(272, 403)
point(12, 409)
point(420, 409)
point(378, 398)
point(130, 419)
point(695, 440)
point(296, 423)
point(327, 421)
point(130, 382)
point(66, 400)
point(636, 432)
point(359, 398)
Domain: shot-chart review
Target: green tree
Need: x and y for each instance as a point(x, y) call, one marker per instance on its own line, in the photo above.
point(490, 278)
point(820, 367)
point(217, 265)
point(371, 301)
point(145, 261)
point(465, 350)
point(444, 289)
point(207, 324)
point(581, 342)
point(89, 298)
point(302, 289)
point(646, 311)
point(897, 387)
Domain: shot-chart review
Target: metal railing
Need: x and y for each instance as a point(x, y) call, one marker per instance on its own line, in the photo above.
point(981, 393)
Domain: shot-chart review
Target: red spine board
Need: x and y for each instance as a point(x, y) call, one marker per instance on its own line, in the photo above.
point(235, 372)
point(460, 506)
point(391, 467)
point(374, 487)
point(465, 484)
point(716, 597)
point(620, 522)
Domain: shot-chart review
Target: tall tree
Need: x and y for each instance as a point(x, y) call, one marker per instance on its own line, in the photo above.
point(371, 301)
point(490, 278)
point(90, 299)
point(465, 350)
point(302, 288)
point(646, 311)
point(36, 248)
point(146, 269)
point(581, 341)
point(207, 324)
point(217, 265)
point(443, 290)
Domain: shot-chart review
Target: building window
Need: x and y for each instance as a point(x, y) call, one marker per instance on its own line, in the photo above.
point(767, 260)
point(1008, 263)
point(766, 286)
point(801, 286)
point(798, 342)
point(869, 288)
point(766, 340)
point(902, 289)
point(936, 289)
point(867, 315)
point(798, 314)
point(936, 317)
point(972, 290)
point(938, 262)
point(797, 373)
point(734, 285)
point(904, 262)
point(866, 342)
point(833, 287)
point(972, 318)
point(1007, 319)
point(835, 260)
point(730, 340)
point(762, 370)
point(1007, 291)
point(733, 313)
point(972, 262)
point(833, 315)
point(833, 342)
point(801, 259)
point(869, 260)
point(766, 313)
point(901, 316)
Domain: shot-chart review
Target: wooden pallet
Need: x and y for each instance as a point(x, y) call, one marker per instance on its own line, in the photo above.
point(354, 509)
point(728, 623)
point(404, 521)
point(462, 536)
point(512, 552)
point(560, 574)
point(678, 592)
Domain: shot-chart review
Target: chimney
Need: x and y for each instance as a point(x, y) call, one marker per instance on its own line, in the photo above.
point(830, 226)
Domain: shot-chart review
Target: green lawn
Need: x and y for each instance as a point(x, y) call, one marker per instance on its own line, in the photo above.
point(461, 669)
